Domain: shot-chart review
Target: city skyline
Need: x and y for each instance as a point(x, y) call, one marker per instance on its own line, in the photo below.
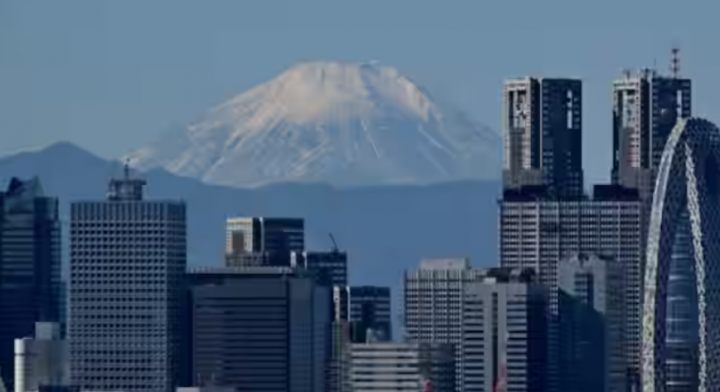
point(342, 227)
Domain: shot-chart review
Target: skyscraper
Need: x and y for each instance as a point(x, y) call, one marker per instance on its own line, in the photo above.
point(542, 131)
point(646, 107)
point(29, 265)
point(504, 332)
point(591, 317)
point(434, 295)
point(537, 233)
point(684, 223)
point(127, 264)
point(259, 328)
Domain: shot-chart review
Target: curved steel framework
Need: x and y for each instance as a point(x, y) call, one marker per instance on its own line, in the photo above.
point(687, 180)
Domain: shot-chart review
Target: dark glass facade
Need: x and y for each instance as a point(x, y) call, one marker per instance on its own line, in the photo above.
point(29, 265)
point(259, 329)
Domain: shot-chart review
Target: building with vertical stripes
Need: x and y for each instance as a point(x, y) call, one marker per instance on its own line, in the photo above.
point(505, 332)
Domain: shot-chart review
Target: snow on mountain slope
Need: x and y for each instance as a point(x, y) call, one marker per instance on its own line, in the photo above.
point(347, 124)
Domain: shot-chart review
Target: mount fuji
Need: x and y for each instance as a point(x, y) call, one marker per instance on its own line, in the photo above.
point(345, 124)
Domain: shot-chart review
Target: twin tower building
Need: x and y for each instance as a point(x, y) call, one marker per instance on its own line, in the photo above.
point(654, 229)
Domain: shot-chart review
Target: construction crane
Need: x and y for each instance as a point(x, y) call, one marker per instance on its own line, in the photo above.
point(334, 247)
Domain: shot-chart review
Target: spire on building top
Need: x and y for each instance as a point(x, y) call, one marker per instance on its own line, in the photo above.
point(126, 169)
point(675, 62)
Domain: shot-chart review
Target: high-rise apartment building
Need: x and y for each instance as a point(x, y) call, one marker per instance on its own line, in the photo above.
point(127, 265)
point(646, 107)
point(542, 131)
point(407, 367)
point(538, 233)
point(591, 321)
point(504, 332)
point(367, 308)
point(433, 303)
point(259, 329)
point(29, 265)
point(331, 267)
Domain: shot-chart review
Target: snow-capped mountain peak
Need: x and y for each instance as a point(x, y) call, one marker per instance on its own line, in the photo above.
point(339, 122)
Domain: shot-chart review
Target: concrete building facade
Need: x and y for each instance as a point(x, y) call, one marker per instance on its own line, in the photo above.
point(505, 332)
point(434, 295)
point(537, 233)
point(127, 265)
point(407, 367)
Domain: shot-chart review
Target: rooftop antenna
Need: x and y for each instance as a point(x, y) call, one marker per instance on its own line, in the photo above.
point(675, 62)
point(126, 168)
point(332, 238)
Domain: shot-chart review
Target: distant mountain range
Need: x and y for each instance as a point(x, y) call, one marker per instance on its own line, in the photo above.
point(344, 124)
point(385, 229)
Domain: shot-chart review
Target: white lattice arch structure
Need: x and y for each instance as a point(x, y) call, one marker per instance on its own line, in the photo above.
point(688, 177)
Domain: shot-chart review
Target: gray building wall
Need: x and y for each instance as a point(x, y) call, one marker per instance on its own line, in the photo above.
point(260, 328)
point(30, 257)
point(127, 264)
point(537, 233)
point(504, 333)
point(591, 303)
point(410, 367)
point(433, 303)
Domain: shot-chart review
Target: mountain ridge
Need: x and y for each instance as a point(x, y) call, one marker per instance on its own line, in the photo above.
point(348, 124)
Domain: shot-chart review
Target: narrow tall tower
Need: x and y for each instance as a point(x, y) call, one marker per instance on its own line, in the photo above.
point(542, 130)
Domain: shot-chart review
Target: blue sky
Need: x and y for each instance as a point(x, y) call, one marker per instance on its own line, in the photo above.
point(111, 75)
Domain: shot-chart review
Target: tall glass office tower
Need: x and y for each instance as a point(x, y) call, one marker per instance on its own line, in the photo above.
point(29, 265)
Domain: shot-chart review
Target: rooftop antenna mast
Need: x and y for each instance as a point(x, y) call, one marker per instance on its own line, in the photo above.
point(675, 62)
point(126, 168)
point(332, 238)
